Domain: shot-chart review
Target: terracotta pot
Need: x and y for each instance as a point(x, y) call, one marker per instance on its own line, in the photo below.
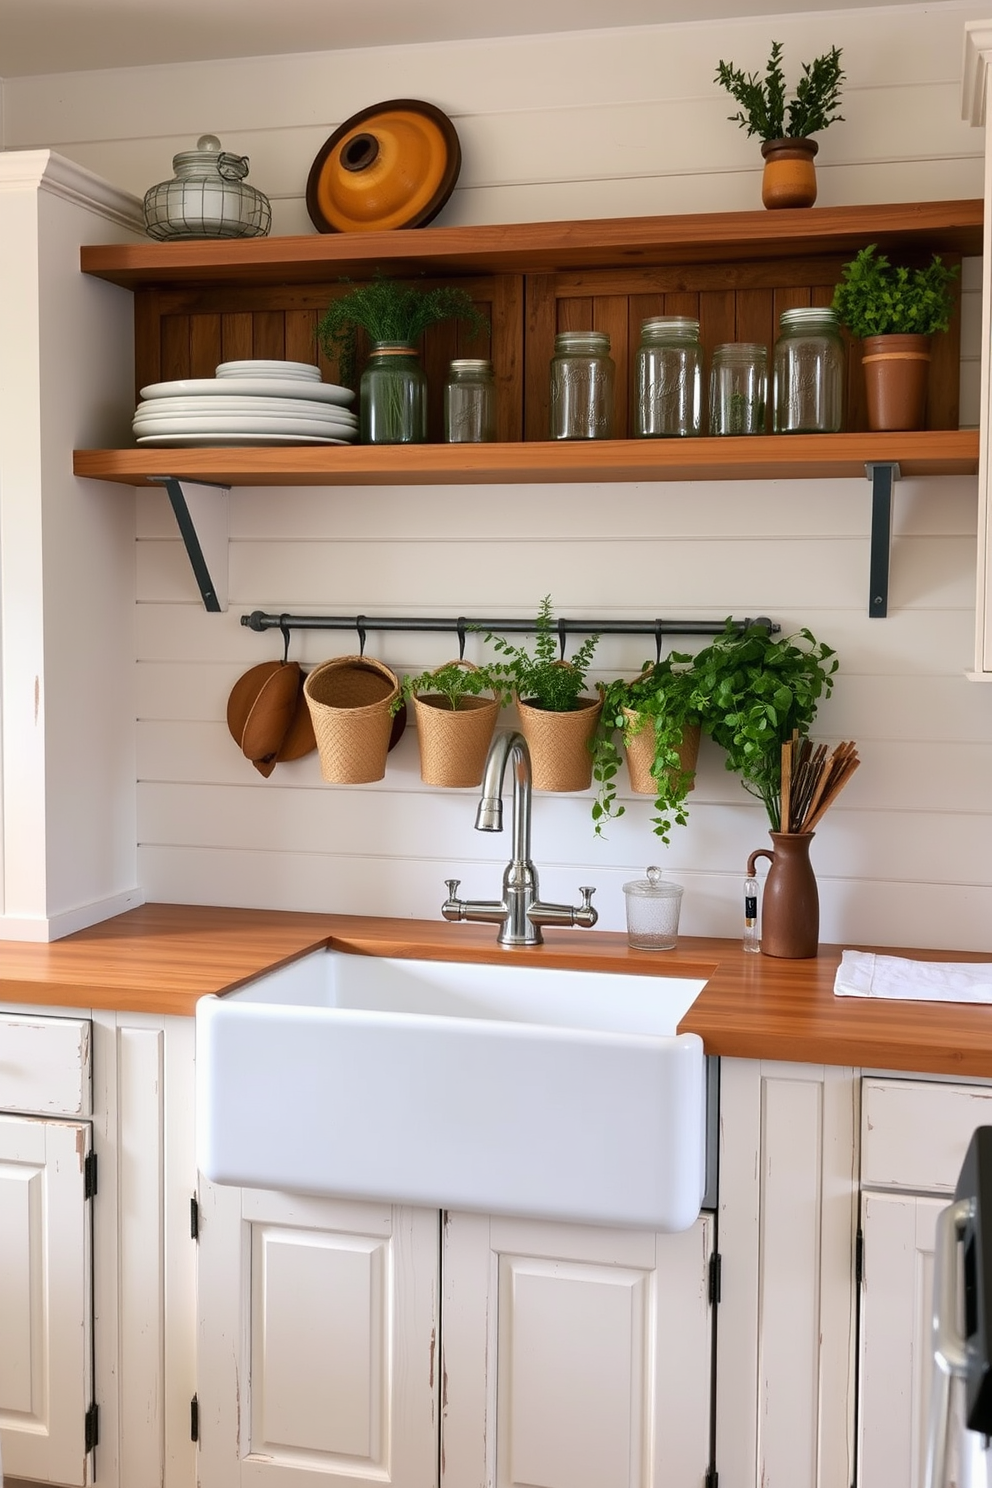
point(790, 905)
point(897, 370)
point(789, 178)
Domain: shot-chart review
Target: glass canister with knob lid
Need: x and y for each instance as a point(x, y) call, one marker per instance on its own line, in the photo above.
point(668, 379)
point(809, 372)
point(653, 906)
point(208, 198)
point(582, 377)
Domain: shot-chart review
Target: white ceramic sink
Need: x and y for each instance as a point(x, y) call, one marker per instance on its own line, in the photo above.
point(501, 1088)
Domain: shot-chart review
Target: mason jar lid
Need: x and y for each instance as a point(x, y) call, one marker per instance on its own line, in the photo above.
point(589, 341)
point(471, 364)
point(809, 315)
point(653, 887)
point(670, 325)
point(744, 351)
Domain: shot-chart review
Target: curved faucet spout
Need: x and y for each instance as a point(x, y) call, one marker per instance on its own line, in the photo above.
point(489, 816)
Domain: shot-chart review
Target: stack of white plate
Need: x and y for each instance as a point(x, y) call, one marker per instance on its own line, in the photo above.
point(247, 403)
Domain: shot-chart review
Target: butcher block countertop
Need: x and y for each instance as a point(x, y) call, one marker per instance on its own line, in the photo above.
point(162, 957)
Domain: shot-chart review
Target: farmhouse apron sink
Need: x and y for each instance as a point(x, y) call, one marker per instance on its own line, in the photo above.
point(505, 1089)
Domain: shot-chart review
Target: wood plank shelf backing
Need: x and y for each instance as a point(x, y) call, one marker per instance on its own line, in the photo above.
point(200, 303)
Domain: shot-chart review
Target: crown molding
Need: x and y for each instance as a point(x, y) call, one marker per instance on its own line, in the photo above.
point(47, 171)
point(977, 58)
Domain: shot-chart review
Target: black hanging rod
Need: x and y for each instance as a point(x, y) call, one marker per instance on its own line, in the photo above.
point(459, 625)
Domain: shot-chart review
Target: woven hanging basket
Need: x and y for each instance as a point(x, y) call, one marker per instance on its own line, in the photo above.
point(349, 700)
point(454, 742)
point(640, 754)
point(559, 743)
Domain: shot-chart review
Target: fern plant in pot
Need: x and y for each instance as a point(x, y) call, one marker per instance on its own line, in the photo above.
point(785, 129)
point(558, 716)
point(895, 311)
point(656, 718)
point(455, 707)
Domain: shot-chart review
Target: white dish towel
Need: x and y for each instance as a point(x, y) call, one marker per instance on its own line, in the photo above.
point(864, 974)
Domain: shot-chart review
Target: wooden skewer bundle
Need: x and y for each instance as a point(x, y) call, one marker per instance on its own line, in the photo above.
point(812, 780)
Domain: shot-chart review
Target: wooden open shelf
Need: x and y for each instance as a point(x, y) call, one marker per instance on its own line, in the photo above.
point(769, 457)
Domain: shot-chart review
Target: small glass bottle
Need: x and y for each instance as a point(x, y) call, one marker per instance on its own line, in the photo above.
point(393, 396)
point(582, 375)
point(470, 402)
point(668, 379)
point(809, 372)
point(751, 940)
point(738, 388)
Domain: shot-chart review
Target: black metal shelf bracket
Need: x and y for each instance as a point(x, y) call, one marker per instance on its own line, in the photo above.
point(201, 516)
point(883, 474)
point(259, 620)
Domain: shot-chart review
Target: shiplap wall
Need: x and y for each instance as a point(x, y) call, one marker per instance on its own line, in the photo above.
point(591, 124)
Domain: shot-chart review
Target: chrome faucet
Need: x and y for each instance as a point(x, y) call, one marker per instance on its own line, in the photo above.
point(520, 913)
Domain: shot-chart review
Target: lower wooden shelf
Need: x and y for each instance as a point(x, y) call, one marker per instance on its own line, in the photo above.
point(760, 457)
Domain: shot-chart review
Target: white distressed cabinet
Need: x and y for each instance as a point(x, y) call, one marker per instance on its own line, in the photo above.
point(46, 1273)
point(914, 1135)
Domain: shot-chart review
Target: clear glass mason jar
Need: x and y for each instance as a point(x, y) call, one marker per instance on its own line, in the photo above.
point(809, 373)
point(582, 376)
point(668, 379)
point(392, 396)
point(738, 388)
point(470, 402)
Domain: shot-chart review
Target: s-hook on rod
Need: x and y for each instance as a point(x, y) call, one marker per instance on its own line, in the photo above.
point(460, 625)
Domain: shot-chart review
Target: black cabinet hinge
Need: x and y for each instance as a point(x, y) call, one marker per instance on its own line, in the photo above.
point(716, 1278)
point(194, 1420)
point(859, 1258)
point(194, 1218)
point(89, 1175)
point(91, 1428)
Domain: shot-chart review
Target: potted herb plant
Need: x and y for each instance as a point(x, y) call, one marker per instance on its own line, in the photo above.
point(557, 716)
point(455, 720)
point(392, 406)
point(789, 178)
point(753, 691)
point(895, 310)
point(656, 718)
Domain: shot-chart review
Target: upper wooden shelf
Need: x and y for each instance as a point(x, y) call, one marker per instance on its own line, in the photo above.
point(534, 247)
point(768, 457)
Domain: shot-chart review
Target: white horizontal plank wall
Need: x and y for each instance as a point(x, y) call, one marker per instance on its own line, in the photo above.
point(611, 123)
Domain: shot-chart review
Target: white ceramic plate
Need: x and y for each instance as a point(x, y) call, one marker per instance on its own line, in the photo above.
point(279, 387)
point(207, 441)
point(296, 427)
point(268, 407)
point(260, 367)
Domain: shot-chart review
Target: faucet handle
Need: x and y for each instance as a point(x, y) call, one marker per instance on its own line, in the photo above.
point(452, 885)
point(587, 892)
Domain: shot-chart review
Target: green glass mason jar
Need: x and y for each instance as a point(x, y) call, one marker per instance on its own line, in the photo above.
point(393, 396)
point(809, 372)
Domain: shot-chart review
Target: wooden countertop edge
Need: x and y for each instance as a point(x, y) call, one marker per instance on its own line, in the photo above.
point(160, 959)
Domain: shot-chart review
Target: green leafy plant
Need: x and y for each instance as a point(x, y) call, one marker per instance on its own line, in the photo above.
point(538, 676)
point(662, 699)
point(387, 310)
point(752, 692)
point(763, 110)
point(877, 298)
point(454, 681)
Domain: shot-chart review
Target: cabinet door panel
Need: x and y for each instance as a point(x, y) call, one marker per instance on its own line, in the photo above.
point(574, 1357)
point(45, 1299)
point(318, 1326)
point(896, 1347)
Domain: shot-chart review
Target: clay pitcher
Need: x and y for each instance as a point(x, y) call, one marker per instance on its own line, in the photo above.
point(790, 908)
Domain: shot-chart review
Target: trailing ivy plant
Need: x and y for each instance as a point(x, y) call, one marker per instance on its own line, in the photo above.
point(454, 682)
point(387, 310)
point(537, 676)
point(661, 698)
point(877, 298)
point(763, 109)
point(752, 691)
